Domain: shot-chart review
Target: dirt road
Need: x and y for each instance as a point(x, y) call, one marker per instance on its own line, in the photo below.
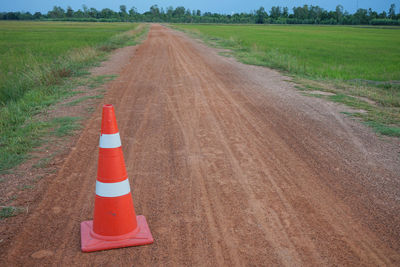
point(230, 165)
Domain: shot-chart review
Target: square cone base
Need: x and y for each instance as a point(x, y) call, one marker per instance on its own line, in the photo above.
point(90, 243)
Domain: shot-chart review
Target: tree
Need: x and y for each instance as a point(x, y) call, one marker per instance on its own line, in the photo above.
point(57, 12)
point(154, 13)
point(122, 9)
point(93, 13)
point(372, 14)
point(122, 12)
point(285, 12)
point(133, 11)
point(392, 11)
point(179, 12)
point(382, 15)
point(361, 16)
point(12, 15)
point(26, 16)
point(37, 15)
point(275, 12)
point(300, 12)
point(70, 12)
point(79, 14)
point(85, 10)
point(339, 13)
point(315, 14)
point(260, 15)
point(168, 13)
point(106, 13)
point(154, 10)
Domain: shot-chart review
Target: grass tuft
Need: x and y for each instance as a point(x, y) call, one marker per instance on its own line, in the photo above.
point(9, 211)
point(64, 126)
point(26, 187)
point(82, 99)
point(350, 101)
point(96, 81)
point(42, 163)
point(384, 129)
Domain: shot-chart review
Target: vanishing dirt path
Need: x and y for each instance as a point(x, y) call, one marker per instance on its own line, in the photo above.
point(230, 166)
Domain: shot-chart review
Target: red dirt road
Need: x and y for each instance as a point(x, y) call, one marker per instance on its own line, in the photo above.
point(230, 165)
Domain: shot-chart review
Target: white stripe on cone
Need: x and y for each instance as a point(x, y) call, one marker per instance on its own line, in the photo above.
point(110, 140)
point(112, 189)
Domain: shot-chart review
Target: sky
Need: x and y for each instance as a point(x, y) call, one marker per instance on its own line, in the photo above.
point(219, 6)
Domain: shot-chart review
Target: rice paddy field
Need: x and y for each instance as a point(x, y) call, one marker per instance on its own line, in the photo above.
point(27, 48)
point(332, 52)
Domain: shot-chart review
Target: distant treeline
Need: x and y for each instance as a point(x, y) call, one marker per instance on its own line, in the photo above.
point(277, 15)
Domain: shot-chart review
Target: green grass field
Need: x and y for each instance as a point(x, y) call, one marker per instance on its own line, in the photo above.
point(333, 52)
point(27, 48)
point(40, 64)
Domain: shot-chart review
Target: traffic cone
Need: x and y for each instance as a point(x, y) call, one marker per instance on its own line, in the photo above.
point(115, 223)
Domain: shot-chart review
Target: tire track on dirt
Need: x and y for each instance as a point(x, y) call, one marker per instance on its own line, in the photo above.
point(240, 113)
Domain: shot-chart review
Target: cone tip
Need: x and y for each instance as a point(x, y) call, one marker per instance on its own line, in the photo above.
point(109, 123)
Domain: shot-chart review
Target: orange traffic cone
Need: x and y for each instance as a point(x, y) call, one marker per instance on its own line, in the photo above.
point(115, 223)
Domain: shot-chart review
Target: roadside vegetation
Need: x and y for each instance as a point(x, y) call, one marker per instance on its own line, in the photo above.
point(9, 211)
point(41, 64)
point(360, 66)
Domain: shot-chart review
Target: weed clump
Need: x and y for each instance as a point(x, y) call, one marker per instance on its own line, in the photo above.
point(9, 211)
